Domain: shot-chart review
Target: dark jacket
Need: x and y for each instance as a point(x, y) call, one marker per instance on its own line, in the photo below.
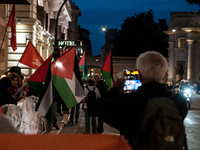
point(124, 111)
point(6, 97)
point(101, 86)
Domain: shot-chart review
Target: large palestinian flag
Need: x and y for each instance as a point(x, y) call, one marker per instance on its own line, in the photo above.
point(66, 78)
point(83, 65)
point(41, 83)
point(107, 70)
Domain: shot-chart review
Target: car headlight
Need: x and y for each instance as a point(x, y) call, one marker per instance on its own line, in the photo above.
point(187, 90)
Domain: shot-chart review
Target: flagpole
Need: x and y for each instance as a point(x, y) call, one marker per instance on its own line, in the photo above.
point(55, 44)
point(3, 38)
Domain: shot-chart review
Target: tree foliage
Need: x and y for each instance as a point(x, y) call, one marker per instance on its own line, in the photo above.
point(140, 33)
point(197, 2)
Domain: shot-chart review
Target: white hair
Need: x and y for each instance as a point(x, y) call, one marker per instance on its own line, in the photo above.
point(152, 66)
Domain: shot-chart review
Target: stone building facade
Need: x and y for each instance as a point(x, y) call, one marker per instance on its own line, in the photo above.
point(36, 23)
point(2, 44)
point(184, 47)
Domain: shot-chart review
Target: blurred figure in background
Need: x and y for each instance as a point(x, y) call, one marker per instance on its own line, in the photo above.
point(15, 85)
point(101, 85)
point(6, 97)
point(17, 70)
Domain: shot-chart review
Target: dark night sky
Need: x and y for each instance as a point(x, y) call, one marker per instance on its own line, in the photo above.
point(112, 13)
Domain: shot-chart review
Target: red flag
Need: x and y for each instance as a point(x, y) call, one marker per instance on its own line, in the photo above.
point(31, 57)
point(12, 24)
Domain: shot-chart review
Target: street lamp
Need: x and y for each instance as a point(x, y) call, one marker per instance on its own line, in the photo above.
point(56, 47)
point(104, 28)
point(173, 30)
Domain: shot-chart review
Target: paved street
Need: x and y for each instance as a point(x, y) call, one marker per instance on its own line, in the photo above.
point(192, 124)
point(78, 127)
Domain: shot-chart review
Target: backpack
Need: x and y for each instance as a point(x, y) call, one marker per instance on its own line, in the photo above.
point(161, 127)
point(91, 102)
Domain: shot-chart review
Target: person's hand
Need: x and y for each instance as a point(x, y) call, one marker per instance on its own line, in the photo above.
point(119, 84)
point(82, 107)
point(14, 97)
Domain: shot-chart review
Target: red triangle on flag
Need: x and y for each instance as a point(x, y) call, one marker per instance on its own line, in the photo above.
point(40, 74)
point(108, 64)
point(63, 66)
point(82, 61)
point(31, 57)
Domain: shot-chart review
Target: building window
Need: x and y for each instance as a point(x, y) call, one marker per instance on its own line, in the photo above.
point(181, 42)
point(46, 24)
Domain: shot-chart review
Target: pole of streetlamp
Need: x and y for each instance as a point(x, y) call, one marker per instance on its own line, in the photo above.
point(56, 42)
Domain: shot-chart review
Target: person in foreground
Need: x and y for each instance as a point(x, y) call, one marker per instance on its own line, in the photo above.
point(125, 111)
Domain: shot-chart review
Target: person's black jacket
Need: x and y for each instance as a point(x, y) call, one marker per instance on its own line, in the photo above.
point(124, 111)
point(6, 97)
point(101, 86)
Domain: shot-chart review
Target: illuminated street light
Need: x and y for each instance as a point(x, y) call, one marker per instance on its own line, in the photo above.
point(173, 30)
point(104, 28)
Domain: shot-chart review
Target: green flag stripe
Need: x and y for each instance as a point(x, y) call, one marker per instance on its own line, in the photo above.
point(5, 110)
point(107, 76)
point(36, 86)
point(64, 91)
point(82, 67)
point(85, 77)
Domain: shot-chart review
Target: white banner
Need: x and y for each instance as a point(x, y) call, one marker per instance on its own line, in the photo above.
point(23, 115)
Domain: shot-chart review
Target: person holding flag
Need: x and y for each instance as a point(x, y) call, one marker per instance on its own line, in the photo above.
point(102, 87)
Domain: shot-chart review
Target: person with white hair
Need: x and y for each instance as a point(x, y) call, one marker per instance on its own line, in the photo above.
point(125, 111)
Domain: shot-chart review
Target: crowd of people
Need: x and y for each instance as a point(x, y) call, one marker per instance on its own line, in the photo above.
point(10, 84)
point(120, 110)
point(14, 87)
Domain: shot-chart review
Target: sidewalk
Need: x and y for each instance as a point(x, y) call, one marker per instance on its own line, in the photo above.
point(61, 121)
point(76, 127)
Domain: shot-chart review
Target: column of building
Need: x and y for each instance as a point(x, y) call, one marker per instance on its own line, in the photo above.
point(171, 70)
point(190, 67)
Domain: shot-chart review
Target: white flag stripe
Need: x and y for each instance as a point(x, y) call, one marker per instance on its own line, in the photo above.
point(76, 88)
point(47, 101)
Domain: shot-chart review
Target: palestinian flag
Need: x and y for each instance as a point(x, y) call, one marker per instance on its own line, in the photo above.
point(83, 65)
point(41, 83)
point(107, 70)
point(37, 79)
point(3, 110)
point(66, 78)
